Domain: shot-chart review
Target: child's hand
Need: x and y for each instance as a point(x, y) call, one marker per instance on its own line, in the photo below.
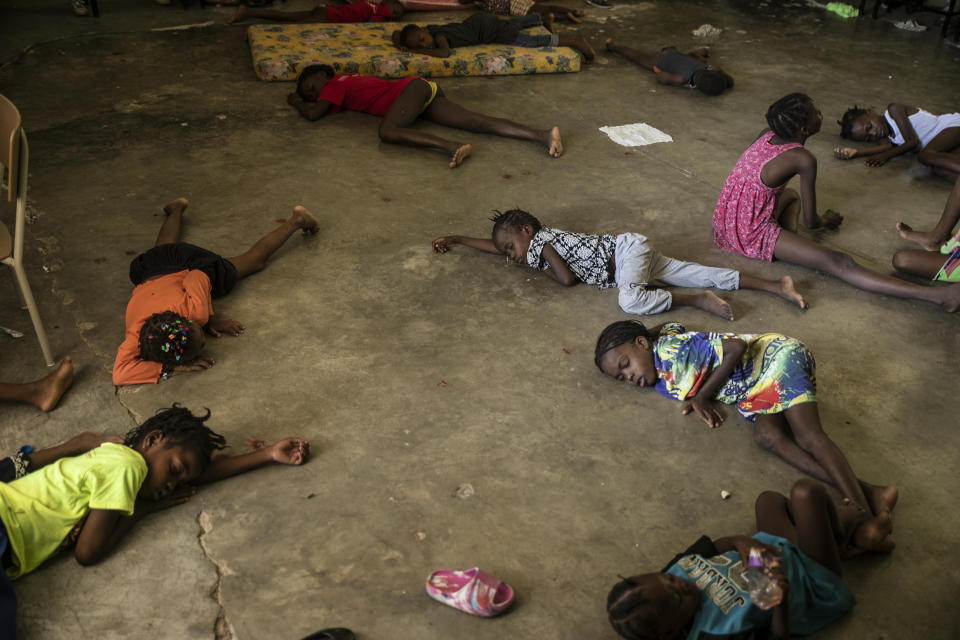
point(705, 409)
point(216, 326)
point(844, 153)
point(177, 496)
point(290, 451)
point(777, 574)
point(831, 219)
point(744, 544)
point(199, 363)
point(516, 263)
point(443, 243)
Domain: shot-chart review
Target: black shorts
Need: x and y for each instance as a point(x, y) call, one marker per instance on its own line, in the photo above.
point(177, 256)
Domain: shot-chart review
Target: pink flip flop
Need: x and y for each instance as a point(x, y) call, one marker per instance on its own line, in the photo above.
point(472, 591)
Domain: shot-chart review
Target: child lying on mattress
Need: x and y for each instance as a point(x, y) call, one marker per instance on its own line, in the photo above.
point(359, 11)
point(481, 28)
point(402, 102)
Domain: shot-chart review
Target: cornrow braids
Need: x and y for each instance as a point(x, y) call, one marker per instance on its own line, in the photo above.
point(846, 122)
point(309, 71)
point(165, 338)
point(788, 115)
point(513, 219)
point(178, 426)
point(630, 612)
point(616, 334)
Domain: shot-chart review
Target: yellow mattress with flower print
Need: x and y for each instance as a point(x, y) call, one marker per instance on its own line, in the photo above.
point(280, 51)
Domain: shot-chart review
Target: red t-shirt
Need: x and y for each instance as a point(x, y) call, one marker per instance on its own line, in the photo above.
point(360, 11)
point(355, 92)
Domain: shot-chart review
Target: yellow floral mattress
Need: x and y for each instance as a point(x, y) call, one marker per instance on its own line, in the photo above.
point(280, 51)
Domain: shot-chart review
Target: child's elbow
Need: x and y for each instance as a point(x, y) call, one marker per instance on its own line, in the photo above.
point(568, 280)
point(85, 557)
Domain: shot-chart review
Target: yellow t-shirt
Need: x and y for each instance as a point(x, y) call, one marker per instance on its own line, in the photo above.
point(41, 508)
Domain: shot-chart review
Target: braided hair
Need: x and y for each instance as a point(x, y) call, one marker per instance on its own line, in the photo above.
point(178, 426)
point(788, 115)
point(616, 334)
point(309, 71)
point(165, 338)
point(513, 219)
point(846, 122)
point(630, 612)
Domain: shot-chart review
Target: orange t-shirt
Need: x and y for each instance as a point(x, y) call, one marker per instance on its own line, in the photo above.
point(186, 293)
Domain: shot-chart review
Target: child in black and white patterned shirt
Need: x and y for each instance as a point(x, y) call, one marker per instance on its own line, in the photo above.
point(626, 261)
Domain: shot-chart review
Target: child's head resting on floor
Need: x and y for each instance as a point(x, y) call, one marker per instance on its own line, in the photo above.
point(170, 339)
point(711, 82)
point(652, 606)
point(414, 37)
point(512, 232)
point(311, 81)
point(625, 352)
point(794, 117)
point(177, 447)
point(863, 124)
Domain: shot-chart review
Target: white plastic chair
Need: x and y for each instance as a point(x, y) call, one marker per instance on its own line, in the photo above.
point(13, 154)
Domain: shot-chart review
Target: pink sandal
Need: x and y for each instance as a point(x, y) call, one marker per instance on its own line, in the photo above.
point(472, 591)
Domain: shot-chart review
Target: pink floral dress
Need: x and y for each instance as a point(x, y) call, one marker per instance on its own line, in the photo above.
point(743, 221)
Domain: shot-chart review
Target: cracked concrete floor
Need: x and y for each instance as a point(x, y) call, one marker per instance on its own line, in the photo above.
point(350, 334)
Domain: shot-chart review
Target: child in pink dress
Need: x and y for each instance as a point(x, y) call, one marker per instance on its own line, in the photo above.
point(756, 216)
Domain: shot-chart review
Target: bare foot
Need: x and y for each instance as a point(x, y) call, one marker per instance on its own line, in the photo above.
point(301, 219)
point(951, 300)
point(574, 15)
point(925, 239)
point(460, 155)
point(789, 293)
point(547, 20)
point(239, 15)
point(709, 301)
point(554, 143)
point(176, 206)
point(588, 53)
point(882, 498)
point(874, 534)
point(50, 389)
point(609, 44)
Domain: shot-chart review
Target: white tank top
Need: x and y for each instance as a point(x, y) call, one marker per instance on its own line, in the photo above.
point(924, 123)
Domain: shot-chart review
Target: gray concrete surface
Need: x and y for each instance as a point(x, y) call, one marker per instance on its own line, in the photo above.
point(352, 334)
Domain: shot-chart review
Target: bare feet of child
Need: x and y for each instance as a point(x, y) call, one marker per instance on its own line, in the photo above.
point(874, 534)
point(951, 298)
point(881, 498)
point(301, 219)
point(239, 15)
point(710, 302)
point(176, 206)
point(925, 239)
point(49, 390)
point(554, 143)
point(789, 293)
point(584, 48)
point(547, 20)
point(574, 15)
point(459, 155)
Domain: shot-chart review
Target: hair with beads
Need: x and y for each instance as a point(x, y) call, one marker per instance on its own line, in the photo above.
point(616, 334)
point(846, 122)
point(788, 115)
point(178, 426)
point(513, 219)
point(165, 338)
point(631, 613)
point(311, 70)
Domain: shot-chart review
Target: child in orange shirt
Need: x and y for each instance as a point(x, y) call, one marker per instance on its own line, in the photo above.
point(171, 308)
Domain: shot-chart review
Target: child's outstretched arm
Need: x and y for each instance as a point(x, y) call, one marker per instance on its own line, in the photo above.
point(291, 451)
point(444, 243)
point(701, 403)
point(75, 446)
point(310, 110)
point(849, 153)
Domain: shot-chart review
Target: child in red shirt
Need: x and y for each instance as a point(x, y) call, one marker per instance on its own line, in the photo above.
point(171, 305)
point(400, 102)
point(359, 11)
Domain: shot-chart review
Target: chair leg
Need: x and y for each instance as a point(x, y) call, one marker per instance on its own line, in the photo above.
point(16, 285)
point(27, 295)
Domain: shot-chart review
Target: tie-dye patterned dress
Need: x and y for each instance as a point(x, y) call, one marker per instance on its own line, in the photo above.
point(775, 373)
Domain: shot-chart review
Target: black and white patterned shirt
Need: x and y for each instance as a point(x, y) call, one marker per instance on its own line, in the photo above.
point(587, 256)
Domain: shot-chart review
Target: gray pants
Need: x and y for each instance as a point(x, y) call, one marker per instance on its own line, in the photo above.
point(639, 265)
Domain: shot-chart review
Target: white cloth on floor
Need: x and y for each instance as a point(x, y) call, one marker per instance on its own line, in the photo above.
point(636, 135)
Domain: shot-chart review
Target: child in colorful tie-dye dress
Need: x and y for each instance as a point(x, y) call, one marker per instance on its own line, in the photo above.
point(771, 379)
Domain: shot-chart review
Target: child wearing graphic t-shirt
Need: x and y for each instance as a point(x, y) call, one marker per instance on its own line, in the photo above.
point(702, 594)
point(89, 501)
point(626, 261)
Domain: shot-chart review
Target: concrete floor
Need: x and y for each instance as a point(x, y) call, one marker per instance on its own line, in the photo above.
point(415, 375)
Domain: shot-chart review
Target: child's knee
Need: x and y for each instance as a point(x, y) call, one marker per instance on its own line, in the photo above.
point(901, 261)
point(767, 501)
point(387, 132)
point(837, 261)
point(766, 436)
point(806, 490)
point(638, 300)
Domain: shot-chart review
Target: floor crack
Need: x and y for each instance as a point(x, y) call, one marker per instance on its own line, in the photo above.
point(222, 629)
